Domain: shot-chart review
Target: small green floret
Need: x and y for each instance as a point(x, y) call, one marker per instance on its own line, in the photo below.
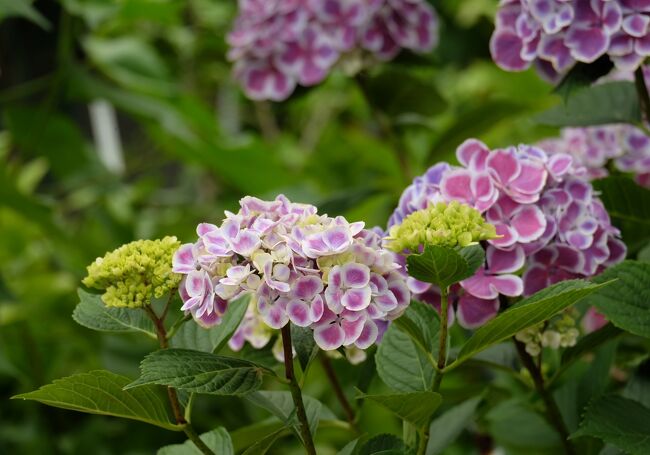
point(135, 272)
point(440, 224)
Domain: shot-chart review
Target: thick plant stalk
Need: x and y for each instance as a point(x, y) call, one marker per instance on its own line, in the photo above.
point(296, 394)
point(177, 410)
point(642, 92)
point(553, 414)
point(442, 361)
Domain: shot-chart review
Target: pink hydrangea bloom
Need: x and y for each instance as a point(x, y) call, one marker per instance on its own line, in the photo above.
point(278, 44)
point(555, 34)
point(553, 226)
point(299, 267)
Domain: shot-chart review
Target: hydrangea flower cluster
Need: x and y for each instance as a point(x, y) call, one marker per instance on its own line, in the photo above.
point(301, 267)
point(441, 224)
point(277, 44)
point(134, 273)
point(555, 34)
point(551, 224)
point(594, 147)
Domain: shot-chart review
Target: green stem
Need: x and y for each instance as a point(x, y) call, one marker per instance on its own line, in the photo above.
point(442, 347)
point(424, 439)
point(175, 404)
point(442, 360)
point(642, 92)
point(338, 390)
point(193, 436)
point(177, 325)
point(296, 394)
point(553, 414)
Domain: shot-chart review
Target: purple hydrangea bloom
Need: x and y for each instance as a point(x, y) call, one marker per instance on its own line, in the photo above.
point(593, 149)
point(555, 34)
point(278, 44)
point(553, 227)
point(299, 267)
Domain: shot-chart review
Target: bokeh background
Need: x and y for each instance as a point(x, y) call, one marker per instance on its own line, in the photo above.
point(120, 120)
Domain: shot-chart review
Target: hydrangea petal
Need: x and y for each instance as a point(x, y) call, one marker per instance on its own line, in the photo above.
point(329, 336)
point(473, 312)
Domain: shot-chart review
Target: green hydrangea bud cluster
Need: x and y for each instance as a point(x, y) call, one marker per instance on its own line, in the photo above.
point(558, 333)
point(133, 273)
point(440, 224)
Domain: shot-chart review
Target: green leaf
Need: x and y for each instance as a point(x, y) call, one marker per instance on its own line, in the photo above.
point(397, 92)
point(187, 130)
point(626, 302)
point(583, 75)
point(349, 448)
point(218, 440)
point(101, 392)
point(628, 205)
point(414, 407)
point(613, 102)
point(421, 322)
point(245, 437)
point(302, 339)
point(92, 313)
point(384, 444)
point(193, 336)
point(520, 430)
point(261, 446)
point(475, 257)
point(401, 365)
point(445, 429)
point(132, 62)
point(618, 421)
point(200, 372)
point(530, 311)
point(445, 266)
point(24, 9)
point(49, 134)
point(638, 389)
point(280, 404)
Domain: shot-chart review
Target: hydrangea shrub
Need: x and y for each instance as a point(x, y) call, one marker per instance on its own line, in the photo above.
point(550, 222)
point(308, 269)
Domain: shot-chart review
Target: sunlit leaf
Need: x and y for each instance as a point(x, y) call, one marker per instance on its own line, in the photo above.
point(218, 440)
point(93, 314)
point(200, 372)
point(530, 311)
point(414, 407)
point(101, 392)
